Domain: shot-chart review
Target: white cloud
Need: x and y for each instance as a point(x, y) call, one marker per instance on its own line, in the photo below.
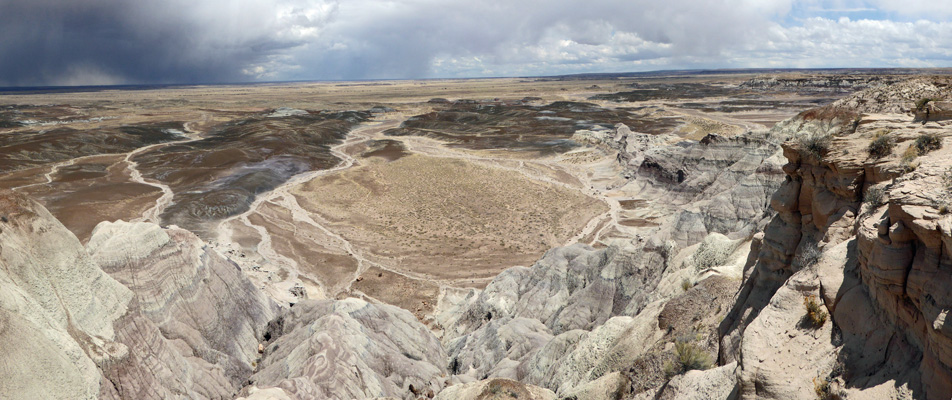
point(917, 8)
point(821, 42)
point(188, 40)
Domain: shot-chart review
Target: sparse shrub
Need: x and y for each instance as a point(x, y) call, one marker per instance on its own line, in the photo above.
point(821, 387)
point(688, 356)
point(686, 284)
point(815, 144)
point(882, 145)
point(921, 103)
point(713, 251)
point(874, 196)
point(809, 255)
point(815, 313)
point(910, 154)
point(908, 161)
point(927, 142)
point(825, 391)
point(941, 205)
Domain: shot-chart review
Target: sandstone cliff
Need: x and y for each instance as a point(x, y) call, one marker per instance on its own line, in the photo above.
point(865, 230)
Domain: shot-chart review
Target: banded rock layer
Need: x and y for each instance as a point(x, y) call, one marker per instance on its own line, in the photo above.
point(145, 312)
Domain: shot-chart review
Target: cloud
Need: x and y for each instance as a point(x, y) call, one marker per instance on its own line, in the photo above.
point(402, 38)
point(928, 9)
point(47, 41)
point(821, 42)
point(129, 41)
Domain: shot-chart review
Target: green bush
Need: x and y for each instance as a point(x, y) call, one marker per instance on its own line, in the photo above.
point(928, 142)
point(881, 146)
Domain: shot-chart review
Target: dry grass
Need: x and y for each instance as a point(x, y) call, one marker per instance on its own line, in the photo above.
point(825, 391)
point(686, 284)
point(908, 161)
point(688, 356)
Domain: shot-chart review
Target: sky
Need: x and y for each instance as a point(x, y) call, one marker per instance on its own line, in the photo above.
point(105, 42)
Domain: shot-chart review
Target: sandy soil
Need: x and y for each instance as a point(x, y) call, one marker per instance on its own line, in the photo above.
point(447, 218)
point(83, 192)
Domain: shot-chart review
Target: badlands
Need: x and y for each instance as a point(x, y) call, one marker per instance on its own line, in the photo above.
point(638, 236)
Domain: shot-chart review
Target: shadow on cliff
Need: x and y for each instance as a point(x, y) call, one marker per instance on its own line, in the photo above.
point(871, 352)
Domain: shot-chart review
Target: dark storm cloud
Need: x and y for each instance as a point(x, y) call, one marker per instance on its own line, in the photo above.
point(127, 41)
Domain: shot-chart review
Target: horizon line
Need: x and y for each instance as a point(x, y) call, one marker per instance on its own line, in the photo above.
point(581, 76)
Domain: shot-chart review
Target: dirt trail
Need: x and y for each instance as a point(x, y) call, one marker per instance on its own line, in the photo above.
point(56, 167)
point(153, 214)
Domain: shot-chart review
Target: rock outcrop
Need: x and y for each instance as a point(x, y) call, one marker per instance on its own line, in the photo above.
point(145, 312)
point(927, 109)
point(501, 389)
point(56, 308)
point(204, 317)
point(818, 83)
point(349, 349)
point(869, 240)
point(601, 323)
